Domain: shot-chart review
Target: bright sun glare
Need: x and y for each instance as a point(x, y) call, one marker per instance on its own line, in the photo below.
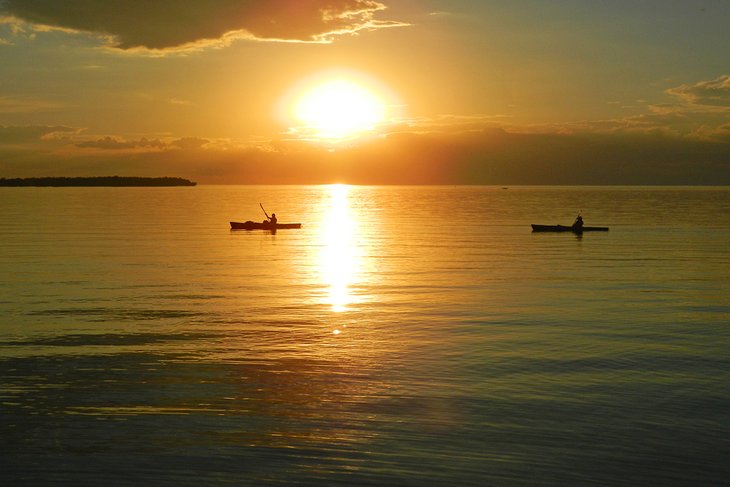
point(339, 258)
point(339, 109)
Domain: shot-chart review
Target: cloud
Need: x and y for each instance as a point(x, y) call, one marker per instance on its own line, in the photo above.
point(714, 92)
point(489, 156)
point(188, 24)
point(178, 101)
point(144, 144)
point(189, 143)
point(25, 104)
point(112, 143)
point(33, 133)
point(671, 119)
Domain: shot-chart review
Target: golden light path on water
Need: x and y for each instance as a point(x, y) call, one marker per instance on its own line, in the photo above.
point(339, 261)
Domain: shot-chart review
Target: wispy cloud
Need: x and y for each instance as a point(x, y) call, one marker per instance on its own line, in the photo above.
point(114, 143)
point(701, 111)
point(191, 24)
point(178, 101)
point(714, 92)
point(26, 104)
point(10, 134)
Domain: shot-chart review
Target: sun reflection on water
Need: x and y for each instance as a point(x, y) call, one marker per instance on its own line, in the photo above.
point(339, 259)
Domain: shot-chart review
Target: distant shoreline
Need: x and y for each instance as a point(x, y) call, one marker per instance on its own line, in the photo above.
point(106, 181)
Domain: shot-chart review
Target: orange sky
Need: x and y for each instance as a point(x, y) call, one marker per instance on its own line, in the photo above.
point(530, 92)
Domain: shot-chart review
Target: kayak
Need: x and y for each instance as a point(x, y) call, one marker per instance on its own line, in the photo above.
point(249, 225)
point(563, 228)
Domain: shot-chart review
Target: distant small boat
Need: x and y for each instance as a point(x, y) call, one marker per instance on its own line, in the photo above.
point(249, 225)
point(563, 228)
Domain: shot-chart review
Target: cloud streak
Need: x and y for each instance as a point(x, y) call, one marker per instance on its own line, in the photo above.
point(119, 144)
point(26, 104)
point(112, 143)
point(189, 24)
point(33, 133)
point(714, 93)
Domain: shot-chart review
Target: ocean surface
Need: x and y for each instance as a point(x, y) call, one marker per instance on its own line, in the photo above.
point(409, 336)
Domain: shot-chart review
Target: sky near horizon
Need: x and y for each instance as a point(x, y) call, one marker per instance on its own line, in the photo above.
point(432, 91)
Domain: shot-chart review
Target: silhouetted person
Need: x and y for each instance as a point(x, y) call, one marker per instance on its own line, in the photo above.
point(272, 220)
point(578, 222)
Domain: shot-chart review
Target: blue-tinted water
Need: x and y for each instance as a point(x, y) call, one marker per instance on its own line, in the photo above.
point(402, 336)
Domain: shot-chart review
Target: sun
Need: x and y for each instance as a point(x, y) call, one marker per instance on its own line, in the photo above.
point(339, 109)
point(336, 108)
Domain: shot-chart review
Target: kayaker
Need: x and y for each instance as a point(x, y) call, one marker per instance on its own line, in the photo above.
point(272, 219)
point(578, 222)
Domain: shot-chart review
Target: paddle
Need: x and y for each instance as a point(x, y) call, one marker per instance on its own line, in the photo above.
point(267, 215)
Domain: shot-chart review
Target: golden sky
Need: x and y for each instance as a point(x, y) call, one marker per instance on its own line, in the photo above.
point(359, 91)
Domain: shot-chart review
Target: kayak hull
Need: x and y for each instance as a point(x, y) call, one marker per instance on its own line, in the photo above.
point(563, 228)
point(249, 225)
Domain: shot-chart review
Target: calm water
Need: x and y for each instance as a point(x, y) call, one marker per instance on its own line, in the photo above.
point(142, 342)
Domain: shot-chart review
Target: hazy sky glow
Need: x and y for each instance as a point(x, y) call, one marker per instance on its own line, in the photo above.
point(489, 92)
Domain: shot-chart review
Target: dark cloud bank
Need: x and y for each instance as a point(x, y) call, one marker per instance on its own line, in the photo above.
point(493, 157)
point(163, 24)
point(480, 157)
